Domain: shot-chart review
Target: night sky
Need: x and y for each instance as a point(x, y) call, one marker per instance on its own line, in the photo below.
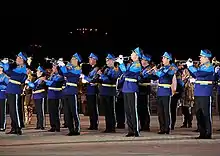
point(184, 36)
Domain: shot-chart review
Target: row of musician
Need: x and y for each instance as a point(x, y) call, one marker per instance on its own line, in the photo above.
point(133, 80)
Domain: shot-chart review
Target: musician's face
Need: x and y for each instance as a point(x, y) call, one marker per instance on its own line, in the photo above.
point(19, 61)
point(1, 69)
point(203, 59)
point(39, 73)
point(144, 63)
point(134, 56)
point(109, 62)
point(92, 61)
point(74, 61)
point(165, 61)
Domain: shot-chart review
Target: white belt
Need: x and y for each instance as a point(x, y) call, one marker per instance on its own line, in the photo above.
point(130, 80)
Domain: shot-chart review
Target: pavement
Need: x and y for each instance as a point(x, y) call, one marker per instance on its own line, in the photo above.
point(180, 142)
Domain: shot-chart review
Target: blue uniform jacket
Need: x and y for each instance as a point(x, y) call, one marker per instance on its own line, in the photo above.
point(55, 84)
point(108, 82)
point(92, 88)
point(3, 85)
point(130, 77)
point(165, 76)
point(39, 88)
point(218, 81)
point(72, 79)
point(204, 76)
point(17, 78)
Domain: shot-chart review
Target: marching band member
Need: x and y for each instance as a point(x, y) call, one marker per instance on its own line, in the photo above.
point(108, 92)
point(3, 85)
point(177, 93)
point(203, 93)
point(144, 94)
point(28, 101)
point(18, 75)
point(130, 89)
point(54, 92)
point(164, 92)
point(217, 72)
point(72, 74)
point(39, 96)
point(188, 99)
point(92, 90)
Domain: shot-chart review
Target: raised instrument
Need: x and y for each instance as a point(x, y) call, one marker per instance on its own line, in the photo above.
point(9, 60)
point(183, 62)
point(215, 62)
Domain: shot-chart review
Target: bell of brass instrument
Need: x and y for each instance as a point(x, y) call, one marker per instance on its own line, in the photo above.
point(215, 62)
point(125, 58)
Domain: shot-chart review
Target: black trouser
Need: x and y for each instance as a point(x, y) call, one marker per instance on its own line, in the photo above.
point(40, 106)
point(92, 110)
point(109, 104)
point(53, 107)
point(130, 104)
point(15, 111)
point(204, 114)
point(71, 106)
point(164, 114)
point(187, 113)
point(2, 113)
point(120, 111)
point(174, 101)
point(144, 110)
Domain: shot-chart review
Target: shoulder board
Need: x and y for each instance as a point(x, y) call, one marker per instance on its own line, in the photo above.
point(77, 67)
point(137, 65)
point(208, 64)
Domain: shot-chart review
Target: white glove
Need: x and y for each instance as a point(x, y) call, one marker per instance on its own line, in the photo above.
point(4, 61)
point(82, 76)
point(189, 63)
point(120, 59)
point(60, 63)
point(27, 81)
point(217, 69)
point(192, 80)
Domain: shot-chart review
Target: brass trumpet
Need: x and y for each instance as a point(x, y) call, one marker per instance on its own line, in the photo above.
point(215, 62)
point(125, 58)
point(9, 60)
point(183, 62)
point(53, 60)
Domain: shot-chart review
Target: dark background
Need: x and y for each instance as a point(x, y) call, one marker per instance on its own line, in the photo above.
point(184, 36)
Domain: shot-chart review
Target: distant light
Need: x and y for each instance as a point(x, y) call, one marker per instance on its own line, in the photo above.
point(35, 45)
point(71, 32)
point(86, 29)
point(96, 29)
point(40, 46)
point(106, 33)
point(90, 29)
point(83, 32)
point(77, 29)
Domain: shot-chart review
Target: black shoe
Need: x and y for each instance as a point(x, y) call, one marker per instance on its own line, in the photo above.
point(167, 132)
point(57, 130)
point(218, 130)
point(208, 136)
point(2, 130)
point(130, 135)
point(145, 129)
point(65, 126)
point(183, 126)
point(37, 128)
point(70, 134)
point(197, 130)
point(200, 137)
point(19, 132)
point(12, 131)
point(172, 128)
point(76, 133)
point(161, 132)
point(51, 130)
point(137, 134)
